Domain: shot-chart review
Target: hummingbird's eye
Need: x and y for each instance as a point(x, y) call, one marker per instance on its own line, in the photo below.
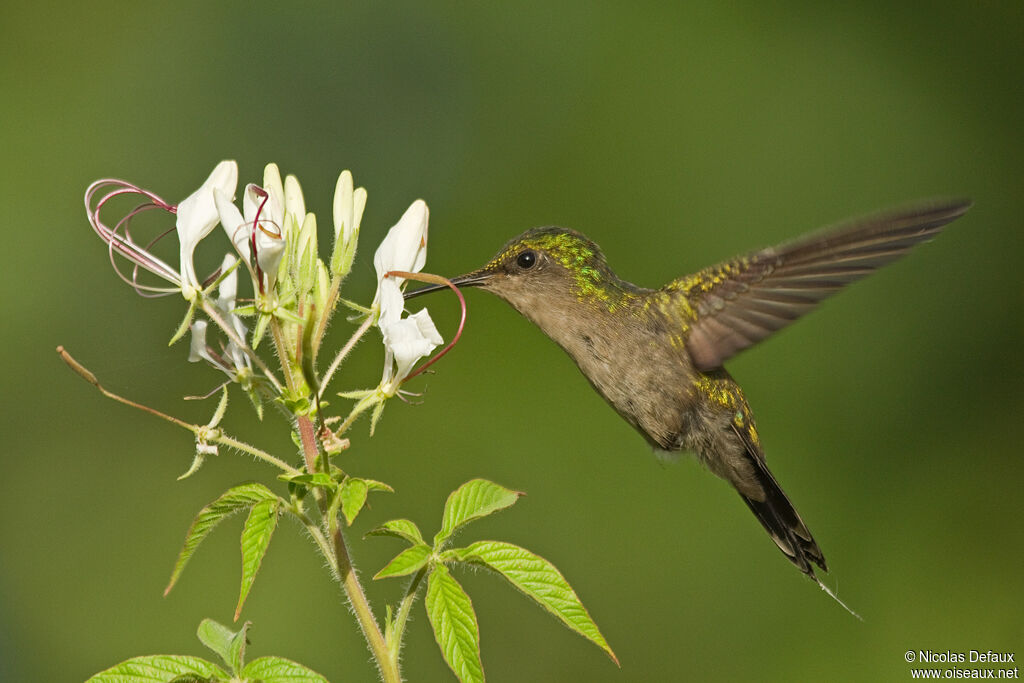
point(527, 259)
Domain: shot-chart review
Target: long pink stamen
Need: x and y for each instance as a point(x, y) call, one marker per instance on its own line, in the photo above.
point(125, 246)
point(430, 278)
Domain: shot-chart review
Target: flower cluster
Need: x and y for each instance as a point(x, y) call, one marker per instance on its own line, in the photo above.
point(294, 292)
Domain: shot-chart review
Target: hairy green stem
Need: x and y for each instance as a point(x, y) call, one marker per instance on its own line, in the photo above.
point(256, 453)
point(336, 553)
point(367, 324)
point(215, 316)
point(402, 616)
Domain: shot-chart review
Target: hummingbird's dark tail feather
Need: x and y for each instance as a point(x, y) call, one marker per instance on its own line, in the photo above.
point(781, 520)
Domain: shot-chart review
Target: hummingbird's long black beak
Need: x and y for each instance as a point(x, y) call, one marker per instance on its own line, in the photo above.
point(474, 279)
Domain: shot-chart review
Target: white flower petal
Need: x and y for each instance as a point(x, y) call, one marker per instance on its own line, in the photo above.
point(409, 340)
point(272, 184)
point(197, 351)
point(294, 203)
point(234, 224)
point(405, 246)
point(197, 216)
point(391, 302)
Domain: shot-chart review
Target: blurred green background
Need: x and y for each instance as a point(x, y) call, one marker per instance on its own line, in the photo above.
point(675, 135)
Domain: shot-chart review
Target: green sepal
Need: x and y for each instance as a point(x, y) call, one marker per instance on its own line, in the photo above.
point(186, 322)
point(409, 561)
point(231, 501)
point(453, 620)
point(475, 499)
point(280, 670)
point(287, 315)
point(357, 394)
point(229, 645)
point(358, 308)
point(260, 329)
point(197, 462)
point(536, 578)
point(161, 669)
point(247, 311)
point(256, 534)
point(378, 410)
point(399, 528)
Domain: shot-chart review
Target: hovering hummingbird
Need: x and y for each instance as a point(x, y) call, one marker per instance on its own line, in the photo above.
point(656, 355)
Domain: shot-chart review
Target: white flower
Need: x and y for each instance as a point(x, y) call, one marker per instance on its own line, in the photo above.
point(406, 340)
point(197, 217)
point(266, 203)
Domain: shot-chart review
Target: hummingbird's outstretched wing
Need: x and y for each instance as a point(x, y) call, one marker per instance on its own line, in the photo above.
point(736, 304)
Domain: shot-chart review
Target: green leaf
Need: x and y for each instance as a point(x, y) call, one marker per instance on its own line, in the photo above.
point(353, 497)
point(230, 502)
point(256, 534)
point(159, 669)
point(320, 479)
point(280, 670)
point(407, 562)
point(475, 499)
point(399, 528)
point(375, 485)
point(539, 580)
point(229, 645)
point(454, 622)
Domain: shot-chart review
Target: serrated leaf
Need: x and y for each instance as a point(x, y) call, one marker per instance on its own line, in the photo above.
point(230, 502)
point(406, 562)
point(321, 479)
point(159, 669)
point(475, 499)
point(280, 670)
point(399, 528)
point(455, 627)
point(256, 534)
point(353, 497)
point(229, 645)
point(539, 580)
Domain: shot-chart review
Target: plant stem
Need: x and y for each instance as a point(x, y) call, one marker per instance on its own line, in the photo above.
point(194, 428)
point(335, 551)
point(367, 324)
point(398, 630)
point(387, 666)
point(256, 453)
point(215, 316)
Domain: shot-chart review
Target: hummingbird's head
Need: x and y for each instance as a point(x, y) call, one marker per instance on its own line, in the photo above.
point(544, 265)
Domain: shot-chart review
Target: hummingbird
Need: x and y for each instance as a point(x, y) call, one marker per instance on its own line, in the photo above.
point(656, 355)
